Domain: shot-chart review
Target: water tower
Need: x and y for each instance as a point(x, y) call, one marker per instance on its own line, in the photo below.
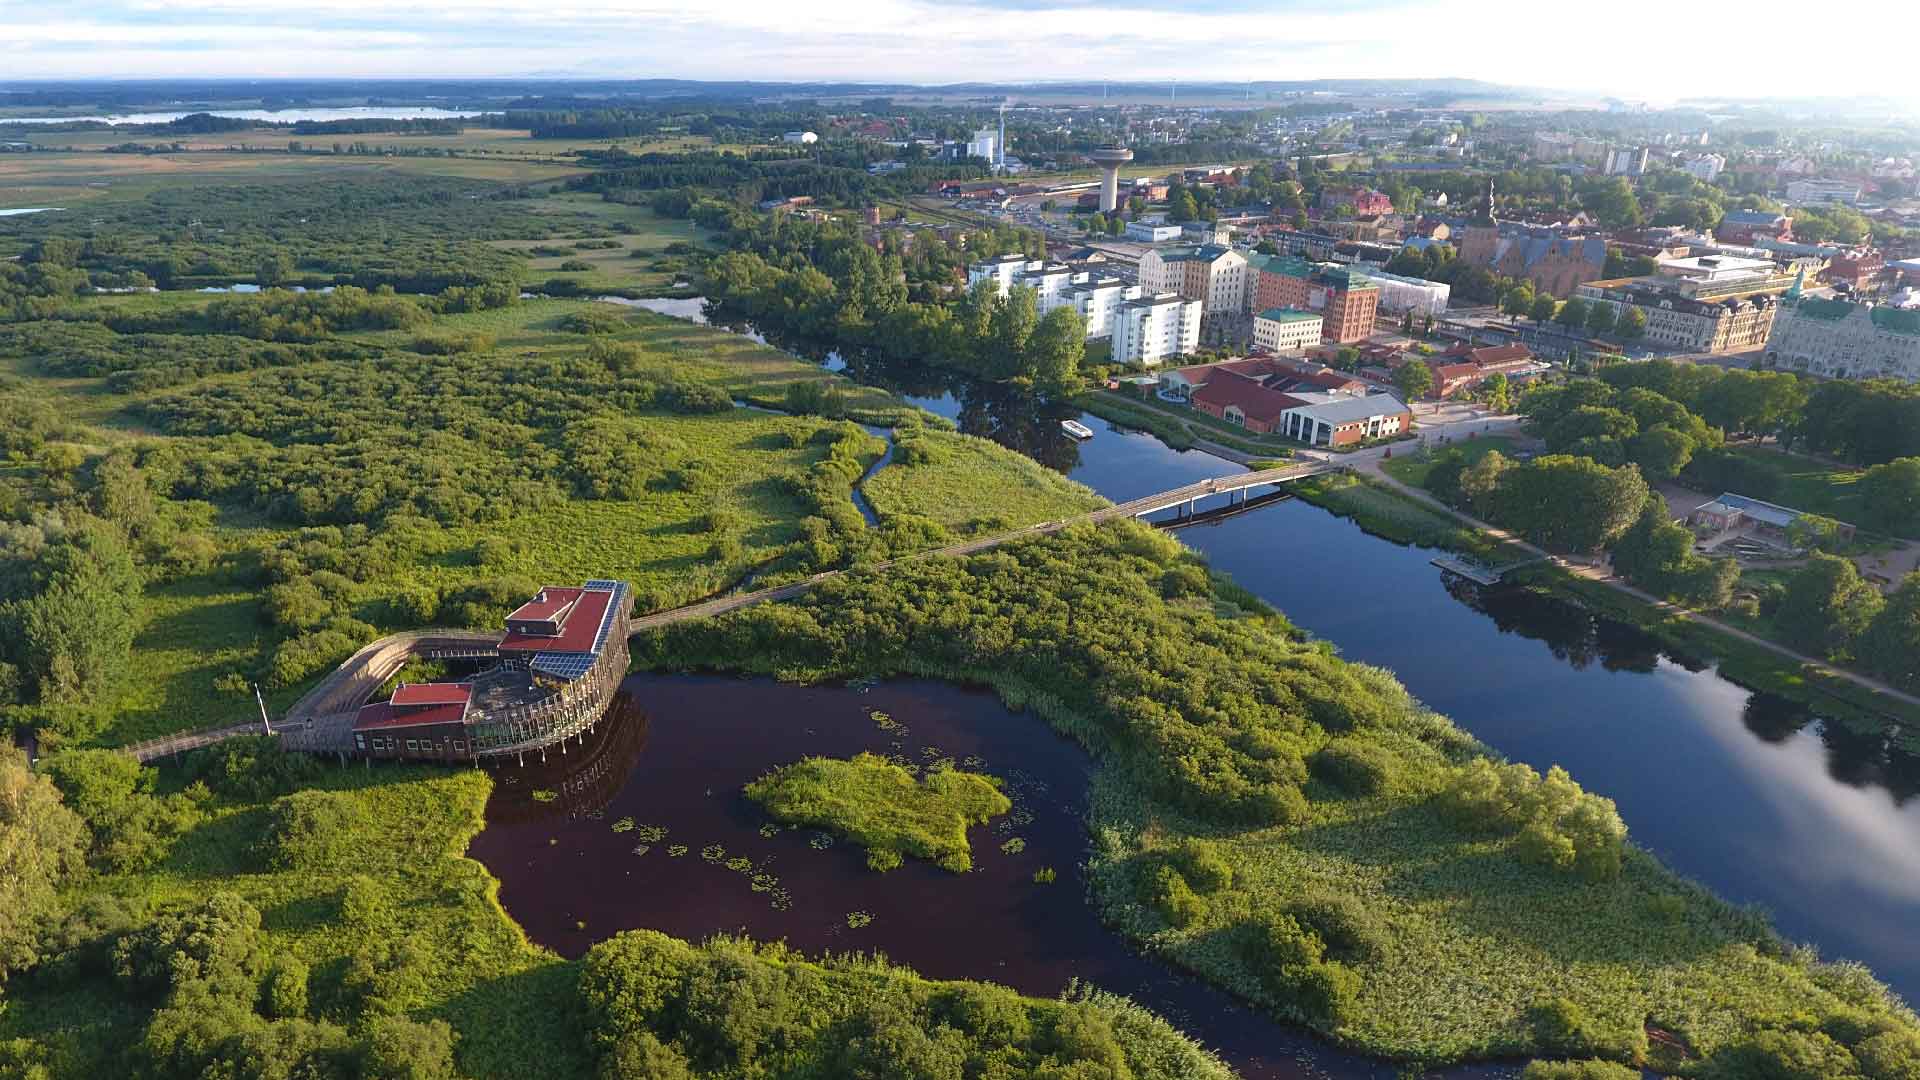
point(1110, 158)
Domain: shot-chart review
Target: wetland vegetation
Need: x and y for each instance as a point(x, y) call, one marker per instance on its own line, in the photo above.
point(885, 807)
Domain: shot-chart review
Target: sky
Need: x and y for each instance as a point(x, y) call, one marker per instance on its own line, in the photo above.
point(1657, 50)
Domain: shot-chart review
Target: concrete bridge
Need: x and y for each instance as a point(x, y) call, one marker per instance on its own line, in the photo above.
point(322, 720)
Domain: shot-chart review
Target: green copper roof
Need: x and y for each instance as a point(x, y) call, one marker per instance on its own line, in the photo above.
point(1898, 320)
point(1287, 314)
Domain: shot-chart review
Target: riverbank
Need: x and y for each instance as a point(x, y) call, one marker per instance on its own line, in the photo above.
point(1386, 509)
point(1363, 836)
point(1183, 431)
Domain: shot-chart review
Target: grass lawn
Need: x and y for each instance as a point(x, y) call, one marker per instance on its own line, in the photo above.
point(952, 489)
point(1385, 512)
point(884, 807)
point(1412, 469)
point(1813, 486)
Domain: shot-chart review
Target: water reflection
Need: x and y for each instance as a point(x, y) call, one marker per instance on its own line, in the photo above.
point(1758, 798)
point(676, 847)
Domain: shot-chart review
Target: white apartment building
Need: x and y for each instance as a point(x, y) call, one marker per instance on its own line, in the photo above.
point(1146, 232)
point(1820, 192)
point(1706, 168)
point(1000, 271)
point(1097, 299)
point(1048, 280)
point(1058, 285)
point(1418, 295)
point(1280, 330)
point(1152, 330)
point(1838, 339)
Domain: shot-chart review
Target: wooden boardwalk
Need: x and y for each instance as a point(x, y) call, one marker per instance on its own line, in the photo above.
point(322, 720)
point(1141, 507)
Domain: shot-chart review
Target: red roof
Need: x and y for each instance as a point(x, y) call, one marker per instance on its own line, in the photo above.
point(1501, 354)
point(1446, 373)
point(1253, 400)
point(576, 634)
point(382, 714)
point(432, 693)
point(545, 607)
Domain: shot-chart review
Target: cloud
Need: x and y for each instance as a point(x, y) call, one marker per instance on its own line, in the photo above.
point(1633, 48)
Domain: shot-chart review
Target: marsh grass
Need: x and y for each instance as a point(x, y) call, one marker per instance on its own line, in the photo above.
point(883, 807)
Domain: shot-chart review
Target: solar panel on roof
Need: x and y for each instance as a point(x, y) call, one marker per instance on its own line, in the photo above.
point(567, 666)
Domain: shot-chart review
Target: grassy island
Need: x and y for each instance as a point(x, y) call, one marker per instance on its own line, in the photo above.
point(883, 807)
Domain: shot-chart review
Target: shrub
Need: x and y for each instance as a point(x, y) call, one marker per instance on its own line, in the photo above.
point(283, 990)
point(1204, 865)
point(1173, 898)
point(992, 1014)
point(397, 1048)
point(1282, 942)
point(1780, 1055)
point(1350, 930)
point(629, 982)
point(1352, 766)
point(594, 320)
point(216, 942)
point(312, 829)
point(1578, 1070)
point(640, 1055)
point(252, 768)
point(1563, 1027)
point(1322, 993)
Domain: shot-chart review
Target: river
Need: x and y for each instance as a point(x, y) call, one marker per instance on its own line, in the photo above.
point(1753, 796)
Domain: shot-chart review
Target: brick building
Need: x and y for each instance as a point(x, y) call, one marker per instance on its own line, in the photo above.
point(1346, 300)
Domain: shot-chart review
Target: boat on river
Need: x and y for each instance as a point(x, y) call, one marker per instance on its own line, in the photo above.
point(1076, 429)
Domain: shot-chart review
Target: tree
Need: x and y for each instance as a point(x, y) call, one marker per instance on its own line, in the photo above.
point(1054, 352)
point(1567, 502)
point(1519, 300)
point(1346, 358)
point(273, 269)
point(73, 630)
point(1890, 647)
point(1496, 392)
point(1180, 206)
point(1600, 319)
point(42, 843)
point(1891, 494)
point(1544, 308)
point(1827, 605)
point(1632, 324)
point(1004, 348)
point(1413, 379)
point(1572, 314)
point(1661, 452)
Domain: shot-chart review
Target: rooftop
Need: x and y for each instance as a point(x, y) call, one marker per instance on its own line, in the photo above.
point(1289, 315)
point(1253, 399)
point(1347, 409)
point(432, 694)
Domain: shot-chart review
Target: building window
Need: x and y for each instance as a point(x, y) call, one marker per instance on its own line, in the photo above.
point(413, 744)
point(459, 745)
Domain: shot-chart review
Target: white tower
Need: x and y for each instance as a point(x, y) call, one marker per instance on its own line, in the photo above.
point(1110, 158)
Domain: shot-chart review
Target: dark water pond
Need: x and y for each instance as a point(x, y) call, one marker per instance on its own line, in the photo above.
point(637, 828)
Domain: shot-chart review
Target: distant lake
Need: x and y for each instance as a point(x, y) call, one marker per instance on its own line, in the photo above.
point(283, 116)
